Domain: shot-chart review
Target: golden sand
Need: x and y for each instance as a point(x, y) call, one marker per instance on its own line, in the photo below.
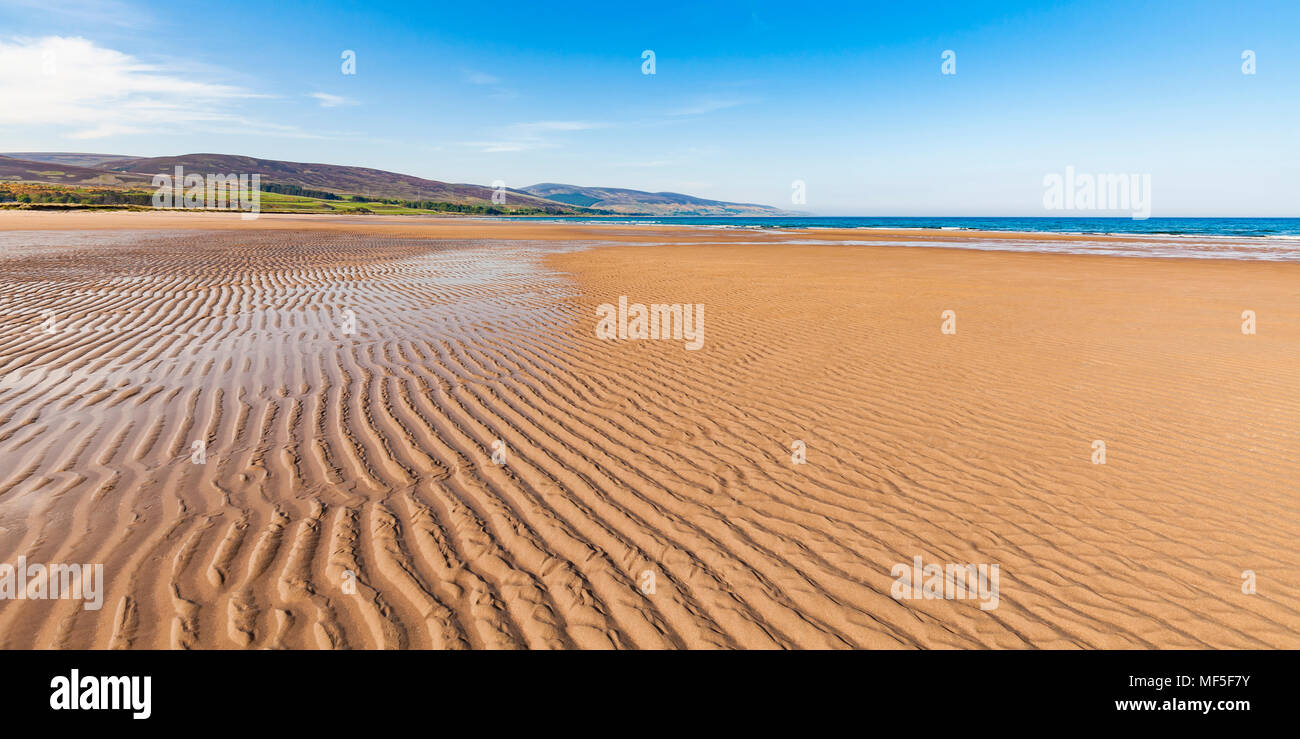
point(350, 381)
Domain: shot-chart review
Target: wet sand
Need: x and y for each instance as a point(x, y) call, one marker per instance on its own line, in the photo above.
point(351, 379)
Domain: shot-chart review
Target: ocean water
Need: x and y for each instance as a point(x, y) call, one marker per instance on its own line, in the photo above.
point(1231, 227)
point(1267, 239)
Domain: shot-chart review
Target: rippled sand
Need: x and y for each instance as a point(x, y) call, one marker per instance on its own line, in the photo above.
point(351, 383)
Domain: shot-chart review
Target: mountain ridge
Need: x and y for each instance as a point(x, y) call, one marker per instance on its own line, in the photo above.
point(629, 201)
point(78, 168)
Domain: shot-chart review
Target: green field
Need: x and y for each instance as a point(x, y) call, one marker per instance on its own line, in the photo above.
point(274, 202)
point(52, 196)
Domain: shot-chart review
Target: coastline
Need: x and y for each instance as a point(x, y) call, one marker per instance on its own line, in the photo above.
point(544, 229)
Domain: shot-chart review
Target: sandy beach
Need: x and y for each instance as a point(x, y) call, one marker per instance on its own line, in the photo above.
point(368, 432)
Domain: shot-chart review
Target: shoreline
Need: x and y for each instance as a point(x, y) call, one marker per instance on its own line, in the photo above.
point(1222, 248)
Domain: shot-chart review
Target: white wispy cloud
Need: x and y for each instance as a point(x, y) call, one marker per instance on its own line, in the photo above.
point(650, 163)
point(709, 105)
point(480, 78)
point(495, 147)
point(328, 100)
point(531, 135)
point(498, 91)
point(87, 12)
point(538, 127)
point(84, 91)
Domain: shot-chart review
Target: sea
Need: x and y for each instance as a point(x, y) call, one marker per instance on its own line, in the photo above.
point(1272, 239)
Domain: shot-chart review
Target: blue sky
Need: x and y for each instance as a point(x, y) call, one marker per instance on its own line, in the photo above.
point(746, 98)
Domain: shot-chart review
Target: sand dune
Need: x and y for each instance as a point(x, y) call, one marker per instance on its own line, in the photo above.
point(350, 382)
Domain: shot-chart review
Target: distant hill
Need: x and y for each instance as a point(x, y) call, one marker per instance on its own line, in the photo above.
point(621, 200)
point(69, 158)
point(70, 168)
point(334, 178)
point(29, 170)
point(57, 168)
